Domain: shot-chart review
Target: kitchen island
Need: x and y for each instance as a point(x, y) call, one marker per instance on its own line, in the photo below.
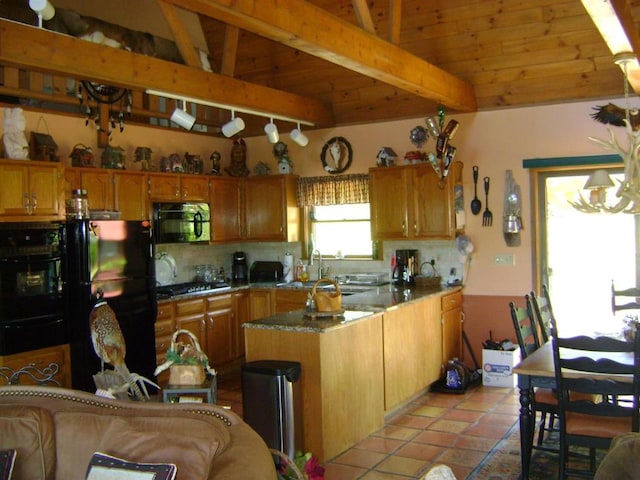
point(356, 368)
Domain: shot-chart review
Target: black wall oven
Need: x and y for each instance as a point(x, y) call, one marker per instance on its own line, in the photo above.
point(31, 306)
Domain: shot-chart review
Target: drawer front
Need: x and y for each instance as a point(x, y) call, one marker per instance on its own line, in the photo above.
point(189, 307)
point(451, 301)
point(162, 345)
point(164, 327)
point(218, 302)
point(165, 310)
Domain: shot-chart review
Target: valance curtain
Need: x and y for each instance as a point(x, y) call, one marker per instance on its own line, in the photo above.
point(333, 190)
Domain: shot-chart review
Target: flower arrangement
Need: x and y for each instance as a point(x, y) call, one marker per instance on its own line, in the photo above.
point(306, 464)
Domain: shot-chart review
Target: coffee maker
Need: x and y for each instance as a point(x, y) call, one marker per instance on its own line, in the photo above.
point(239, 270)
point(406, 267)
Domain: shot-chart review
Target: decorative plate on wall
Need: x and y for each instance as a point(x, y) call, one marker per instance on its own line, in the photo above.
point(336, 155)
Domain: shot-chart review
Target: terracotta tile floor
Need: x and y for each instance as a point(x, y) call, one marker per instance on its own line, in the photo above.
point(455, 429)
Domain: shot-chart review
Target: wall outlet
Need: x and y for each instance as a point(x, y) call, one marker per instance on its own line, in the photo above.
point(505, 259)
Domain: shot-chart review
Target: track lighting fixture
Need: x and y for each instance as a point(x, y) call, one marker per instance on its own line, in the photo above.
point(234, 126)
point(43, 9)
point(299, 137)
point(272, 131)
point(182, 118)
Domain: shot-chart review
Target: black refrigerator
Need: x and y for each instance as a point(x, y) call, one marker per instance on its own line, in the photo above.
point(115, 258)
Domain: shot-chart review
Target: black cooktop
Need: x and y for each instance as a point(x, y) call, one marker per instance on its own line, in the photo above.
point(190, 287)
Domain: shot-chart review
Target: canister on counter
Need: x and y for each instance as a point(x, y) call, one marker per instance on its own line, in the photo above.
point(78, 205)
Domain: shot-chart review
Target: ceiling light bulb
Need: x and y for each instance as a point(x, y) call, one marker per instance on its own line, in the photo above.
point(43, 8)
point(272, 132)
point(299, 137)
point(232, 127)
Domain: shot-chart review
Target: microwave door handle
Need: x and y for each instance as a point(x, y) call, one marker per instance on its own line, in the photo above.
point(197, 224)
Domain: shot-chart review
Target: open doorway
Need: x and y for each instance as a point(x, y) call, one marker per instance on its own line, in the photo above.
point(580, 254)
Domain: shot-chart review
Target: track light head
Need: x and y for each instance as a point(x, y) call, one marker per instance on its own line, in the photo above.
point(272, 132)
point(232, 127)
point(182, 118)
point(299, 137)
point(43, 8)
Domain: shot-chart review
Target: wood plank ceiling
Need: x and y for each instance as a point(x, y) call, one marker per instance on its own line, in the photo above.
point(510, 52)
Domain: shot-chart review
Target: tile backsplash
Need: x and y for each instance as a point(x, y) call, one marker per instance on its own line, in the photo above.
point(188, 256)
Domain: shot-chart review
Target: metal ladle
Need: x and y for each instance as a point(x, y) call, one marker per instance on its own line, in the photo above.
point(476, 204)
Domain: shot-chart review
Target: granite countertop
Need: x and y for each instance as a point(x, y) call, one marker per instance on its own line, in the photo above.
point(357, 307)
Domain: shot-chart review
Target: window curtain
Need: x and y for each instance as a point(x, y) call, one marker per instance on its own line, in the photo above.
point(333, 190)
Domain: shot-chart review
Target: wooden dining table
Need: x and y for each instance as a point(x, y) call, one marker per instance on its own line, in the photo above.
point(537, 370)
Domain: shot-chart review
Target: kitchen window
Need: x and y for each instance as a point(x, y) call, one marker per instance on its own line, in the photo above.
point(337, 216)
point(341, 230)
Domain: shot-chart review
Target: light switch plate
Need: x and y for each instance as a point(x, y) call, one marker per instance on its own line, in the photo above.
point(505, 259)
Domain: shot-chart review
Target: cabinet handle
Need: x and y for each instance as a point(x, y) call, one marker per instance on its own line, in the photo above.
point(26, 204)
point(403, 227)
point(415, 227)
point(34, 202)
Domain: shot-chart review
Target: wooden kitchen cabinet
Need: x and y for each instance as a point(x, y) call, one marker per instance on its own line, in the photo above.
point(220, 336)
point(164, 187)
point(190, 315)
point(288, 299)
point(271, 211)
point(30, 191)
point(451, 305)
point(262, 303)
point(164, 327)
point(241, 305)
point(410, 202)
point(111, 190)
point(41, 359)
point(412, 349)
point(227, 209)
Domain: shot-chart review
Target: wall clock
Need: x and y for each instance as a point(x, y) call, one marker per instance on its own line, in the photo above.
point(336, 155)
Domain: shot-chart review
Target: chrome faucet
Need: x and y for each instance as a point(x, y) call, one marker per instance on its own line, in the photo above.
point(320, 268)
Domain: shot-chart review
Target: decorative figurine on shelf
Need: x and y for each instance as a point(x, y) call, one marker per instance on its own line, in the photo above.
point(81, 156)
point(215, 163)
point(176, 163)
point(386, 157)
point(193, 164)
point(143, 156)
point(261, 169)
point(238, 167)
point(113, 157)
point(13, 137)
point(281, 152)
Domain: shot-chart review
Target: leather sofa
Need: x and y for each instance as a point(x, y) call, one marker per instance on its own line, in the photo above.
point(56, 431)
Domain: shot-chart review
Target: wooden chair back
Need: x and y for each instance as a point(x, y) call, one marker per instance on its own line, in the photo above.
point(525, 328)
point(591, 373)
point(543, 313)
point(627, 299)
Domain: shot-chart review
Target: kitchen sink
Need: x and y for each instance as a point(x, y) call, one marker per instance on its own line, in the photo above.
point(310, 284)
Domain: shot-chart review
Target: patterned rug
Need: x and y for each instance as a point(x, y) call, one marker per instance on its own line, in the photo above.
point(503, 462)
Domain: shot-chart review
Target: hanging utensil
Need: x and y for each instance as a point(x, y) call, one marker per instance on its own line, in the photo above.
point(487, 216)
point(476, 204)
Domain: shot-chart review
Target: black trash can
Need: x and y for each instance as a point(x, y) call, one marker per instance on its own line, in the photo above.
point(267, 401)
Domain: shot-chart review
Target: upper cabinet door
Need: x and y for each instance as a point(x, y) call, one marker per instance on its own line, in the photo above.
point(99, 186)
point(194, 189)
point(130, 195)
point(30, 191)
point(164, 187)
point(227, 213)
point(432, 204)
point(389, 206)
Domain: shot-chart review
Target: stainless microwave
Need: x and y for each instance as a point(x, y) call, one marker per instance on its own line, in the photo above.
point(181, 222)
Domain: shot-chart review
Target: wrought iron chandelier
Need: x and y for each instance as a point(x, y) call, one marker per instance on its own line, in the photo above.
point(628, 191)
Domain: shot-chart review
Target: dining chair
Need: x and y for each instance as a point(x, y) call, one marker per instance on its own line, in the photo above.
point(543, 312)
point(604, 368)
point(630, 295)
point(545, 400)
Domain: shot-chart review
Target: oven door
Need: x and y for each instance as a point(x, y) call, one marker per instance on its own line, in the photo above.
point(30, 287)
point(32, 334)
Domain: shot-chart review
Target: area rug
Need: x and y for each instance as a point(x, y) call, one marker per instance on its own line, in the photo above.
point(503, 462)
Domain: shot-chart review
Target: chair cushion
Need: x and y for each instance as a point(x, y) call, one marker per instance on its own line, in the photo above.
point(621, 461)
point(29, 431)
point(603, 427)
point(545, 396)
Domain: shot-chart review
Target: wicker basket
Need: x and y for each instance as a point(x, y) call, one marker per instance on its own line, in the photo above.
point(427, 282)
point(327, 301)
point(286, 461)
point(186, 374)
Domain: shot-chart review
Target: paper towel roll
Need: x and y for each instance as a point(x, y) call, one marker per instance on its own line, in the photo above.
point(288, 267)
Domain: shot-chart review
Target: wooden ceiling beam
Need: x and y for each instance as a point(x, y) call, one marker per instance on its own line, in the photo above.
point(180, 34)
point(230, 50)
point(46, 51)
point(395, 20)
point(363, 15)
point(310, 29)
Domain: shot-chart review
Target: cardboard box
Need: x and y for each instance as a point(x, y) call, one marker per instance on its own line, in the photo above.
point(497, 367)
